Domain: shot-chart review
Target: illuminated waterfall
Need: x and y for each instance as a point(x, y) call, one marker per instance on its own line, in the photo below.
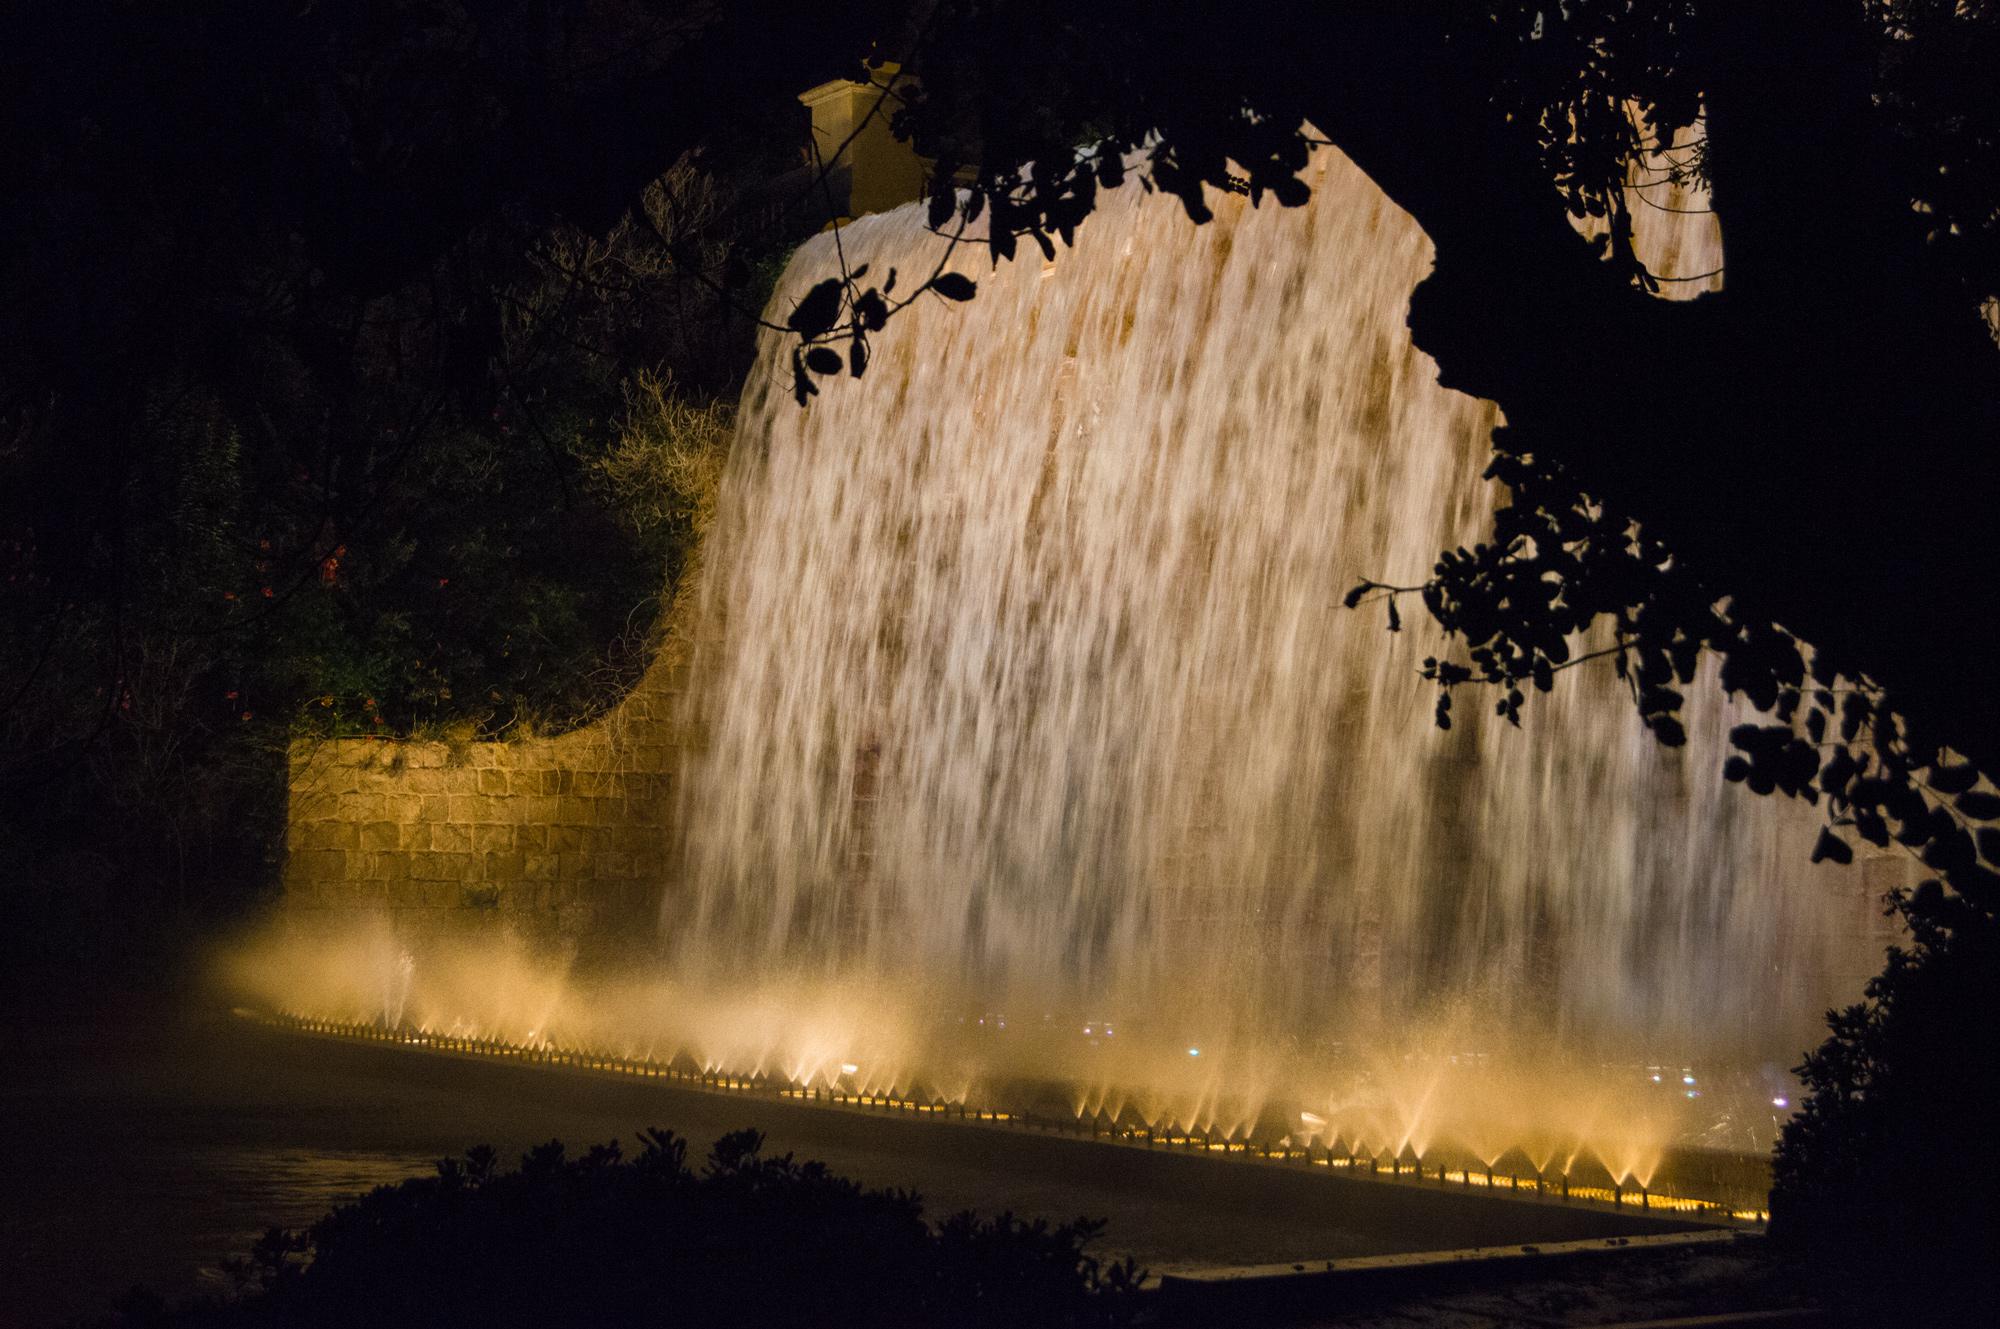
point(1029, 695)
point(1034, 757)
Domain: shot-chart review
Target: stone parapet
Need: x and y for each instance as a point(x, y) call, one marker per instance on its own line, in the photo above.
point(553, 838)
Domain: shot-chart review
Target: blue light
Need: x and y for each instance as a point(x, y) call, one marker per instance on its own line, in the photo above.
point(1194, 1052)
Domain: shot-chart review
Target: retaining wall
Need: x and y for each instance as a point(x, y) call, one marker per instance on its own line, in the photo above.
point(549, 837)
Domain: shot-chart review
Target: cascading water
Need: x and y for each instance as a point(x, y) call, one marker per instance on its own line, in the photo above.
point(1028, 696)
point(1038, 761)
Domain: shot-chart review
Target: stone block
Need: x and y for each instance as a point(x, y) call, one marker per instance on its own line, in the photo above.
point(309, 803)
point(381, 835)
point(431, 894)
point(324, 833)
point(347, 778)
point(502, 865)
point(451, 837)
point(544, 808)
point(387, 867)
point(493, 782)
point(316, 865)
point(416, 837)
point(486, 895)
point(364, 806)
point(651, 756)
point(467, 808)
point(539, 867)
point(631, 839)
point(443, 867)
point(434, 807)
point(567, 839)
point(424, 756)
point(491, 837)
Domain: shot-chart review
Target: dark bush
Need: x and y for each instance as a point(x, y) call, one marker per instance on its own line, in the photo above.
point(603, 1240)
point(1887, 1177)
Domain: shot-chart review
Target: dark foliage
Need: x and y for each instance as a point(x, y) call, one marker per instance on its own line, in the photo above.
point(1886, 1179)
point(602, 1240)
point(323, 319)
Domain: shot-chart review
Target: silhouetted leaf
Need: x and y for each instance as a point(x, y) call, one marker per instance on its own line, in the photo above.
point(954, 286)
point(818, 312)
point(1831, 846)
point(1949, 852)
point(1353, 597)
point(823, 360)
point(1979, 804)
point(1657, 699)
point(1953, 778)
point(1395, 619)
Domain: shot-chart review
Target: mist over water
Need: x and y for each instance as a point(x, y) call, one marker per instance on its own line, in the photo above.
point(1027, 694)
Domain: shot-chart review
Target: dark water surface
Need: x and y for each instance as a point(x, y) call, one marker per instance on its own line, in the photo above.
point(148, 1151)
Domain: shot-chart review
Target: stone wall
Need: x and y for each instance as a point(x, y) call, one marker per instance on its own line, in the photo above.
point(553, 838)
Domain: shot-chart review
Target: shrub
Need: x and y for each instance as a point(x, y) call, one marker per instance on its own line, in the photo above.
point(603, 1240)
point(1887, 1176)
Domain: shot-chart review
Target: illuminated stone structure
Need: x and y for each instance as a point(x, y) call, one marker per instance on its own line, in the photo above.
point(550, 837)
point(871, 170)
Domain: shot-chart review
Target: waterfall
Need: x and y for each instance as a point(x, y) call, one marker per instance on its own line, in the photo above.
point(1026, 695)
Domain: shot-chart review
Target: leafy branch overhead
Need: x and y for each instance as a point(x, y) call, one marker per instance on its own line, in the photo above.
point(840, 310)
point(1563, 569)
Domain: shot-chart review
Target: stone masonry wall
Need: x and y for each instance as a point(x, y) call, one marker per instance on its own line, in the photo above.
point(551, 838)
